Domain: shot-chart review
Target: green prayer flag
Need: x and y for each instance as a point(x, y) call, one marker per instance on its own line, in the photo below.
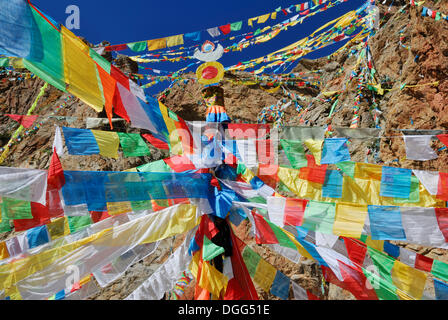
point(4, 62)
point(382, 283)
point(50, 65)
point(348, 167)
point(138, 46)
point(414, 195)
point(210, 250)
point(141, 205)
point(241, 168)
point(236, 26)
point(282, 238)
point(283, 188)
point(133, 145)
point(256, 33)
point(156, 166)
point(251, 259)
point(78, 223)
point(173, 116)
point(440, 270)
point(319, 216)
point(102, 62)
point(295, 153)
point(4, 224)
point(14, 209)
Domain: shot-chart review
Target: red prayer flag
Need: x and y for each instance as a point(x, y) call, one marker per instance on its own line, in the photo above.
point(117, 47)
point(54, 205)
point(119, 108)
point(268, 173)
point(442, 220)
point(56, 178)
point(311, 296)
point(225, 28)
point(180, 163)
point(264, 232)
point(240, 272)
point(294, 212)
point(25, 121)
point(356, 251)
point(159, 144)
point(442, 189)
point(109, 85)
point(119, 76)
point(41, 217)
point(98, 216)
point(313, 174)
point(443, 138)
point(355, 282)
point(423, 263)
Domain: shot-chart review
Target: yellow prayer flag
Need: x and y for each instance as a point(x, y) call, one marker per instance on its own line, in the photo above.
point(368, 171)
point(175, 141)
point(375, 244)
point(265, 275)
point(212, 280)
point(16, 63)
point(315, 147)
point(156, 44)
point(13, 293)
point(349, 220)
point(4, 253)
point(58, 228)
point(249, 22)
point(116, 208)
point(274, 15)
point(194, 264)
point(175, 40)
point(409, 281)
point(263, 18)
point(108, 142)
point(81, 72)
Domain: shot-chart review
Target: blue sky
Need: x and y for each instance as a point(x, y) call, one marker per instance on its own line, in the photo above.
point(137, 20)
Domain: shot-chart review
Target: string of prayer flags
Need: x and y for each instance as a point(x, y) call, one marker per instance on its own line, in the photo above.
point(265, 275)
point(90, 142)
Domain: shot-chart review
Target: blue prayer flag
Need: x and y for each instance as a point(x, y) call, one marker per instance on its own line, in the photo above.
point(280, 286)
point(441, 289)
point(37, 236)
point(80, 142)
point(335, 150)
point(391, 249)
point(385, 223)
point(332, 187)
point(396, 182)
point(193, 36)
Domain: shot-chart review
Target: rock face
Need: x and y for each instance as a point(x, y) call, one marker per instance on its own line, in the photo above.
point(424, 61)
